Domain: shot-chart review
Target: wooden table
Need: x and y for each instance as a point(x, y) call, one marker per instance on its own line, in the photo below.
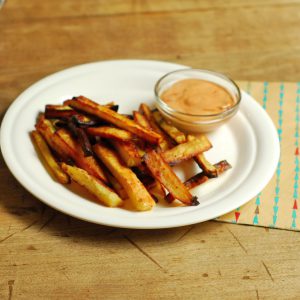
point(45, 254)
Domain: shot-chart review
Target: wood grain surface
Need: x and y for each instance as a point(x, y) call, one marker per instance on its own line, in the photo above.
point(47, 255)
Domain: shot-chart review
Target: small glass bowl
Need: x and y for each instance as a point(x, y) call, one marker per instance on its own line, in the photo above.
point(191, 122)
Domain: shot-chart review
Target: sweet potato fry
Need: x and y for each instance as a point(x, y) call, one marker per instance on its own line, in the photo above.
point(113, 107)
point(45, 127)
point(65, 111)
point(91, 107)
point(164, 143)
point(66, 136)
point(86, 121)
point(172, 131)
point(95, 186)
point(72, 127)
point(141, 119)
point(117, 186)
point(81, 136)
point(153, 186)
point(111, 133)
point(143, 174)
point(161, 171)
point(87, 163)
point(44, 151)
point(180, 138)
point(129, 153)
point(47, 130)
point(58, 123)
point(84, 142)
point(208, 168)
point(137, 193)
point(139, 170)
point(186, 150)
point(57, 107)
point(58, 111)
point(156, 190)
point(201, 177)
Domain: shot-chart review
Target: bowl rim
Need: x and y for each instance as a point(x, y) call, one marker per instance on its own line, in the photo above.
point(172, 111)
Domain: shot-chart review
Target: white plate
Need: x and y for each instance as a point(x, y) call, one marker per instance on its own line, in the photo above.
point(249, 142)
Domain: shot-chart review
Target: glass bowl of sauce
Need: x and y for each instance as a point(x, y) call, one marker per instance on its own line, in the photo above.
point(197, 100)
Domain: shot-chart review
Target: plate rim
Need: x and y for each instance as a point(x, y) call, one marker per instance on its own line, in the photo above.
point(56, 76)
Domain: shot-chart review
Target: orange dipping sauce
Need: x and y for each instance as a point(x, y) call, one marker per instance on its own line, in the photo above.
point(197, 97)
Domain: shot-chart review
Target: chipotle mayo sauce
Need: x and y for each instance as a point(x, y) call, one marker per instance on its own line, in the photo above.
point(197, 97)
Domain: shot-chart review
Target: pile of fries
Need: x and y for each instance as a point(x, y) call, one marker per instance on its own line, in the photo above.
point(120, 158)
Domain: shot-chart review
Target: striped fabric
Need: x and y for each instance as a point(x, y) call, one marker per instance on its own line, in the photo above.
point(277, 205)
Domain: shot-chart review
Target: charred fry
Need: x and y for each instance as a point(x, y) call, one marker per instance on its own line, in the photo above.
point(84, 142)
point(81, 136)
point(87, 105)
point(201, 177)
point(143, 174)
point(208, 168)
point(153, 186)
point(58, 112)
point(161, 171)
point(66, 113)
point(86, 121)
point(72, 127)
point(156, 190)
point(76, 153)
point(113, 107)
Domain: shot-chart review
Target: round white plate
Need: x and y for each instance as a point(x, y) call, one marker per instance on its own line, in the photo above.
point(249, 142)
